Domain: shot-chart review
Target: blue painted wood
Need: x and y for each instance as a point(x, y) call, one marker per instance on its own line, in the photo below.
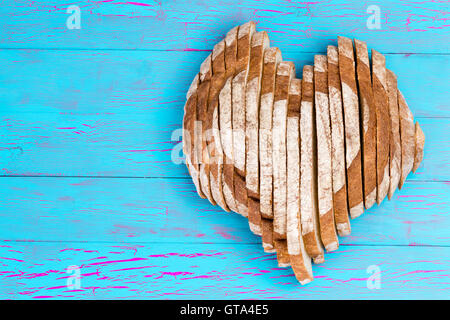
point(121, 109)
point(118, 82)
point(85, 103)
point(138, 145)
point(216, 271)
point(169, 211)
point(406, 26)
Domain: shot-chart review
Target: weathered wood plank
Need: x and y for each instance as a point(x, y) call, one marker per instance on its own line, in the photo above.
point(169, 210)
point(186, 271)
point(138, 145)
point(64, 81)
point(406, 26)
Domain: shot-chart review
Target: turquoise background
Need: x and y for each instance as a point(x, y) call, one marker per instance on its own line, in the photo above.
point(88, 125)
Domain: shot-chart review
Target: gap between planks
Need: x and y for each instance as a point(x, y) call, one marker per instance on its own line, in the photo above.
point(202, 50)
point(256, 243)
point(163, 178)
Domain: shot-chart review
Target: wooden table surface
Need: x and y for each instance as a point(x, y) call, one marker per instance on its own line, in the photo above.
point(95, 202)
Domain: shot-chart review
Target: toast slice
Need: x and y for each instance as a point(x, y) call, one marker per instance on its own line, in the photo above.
point(379, 87)
point(368, 124)
point(202, 110)
point(299, 258)
point(351, 126)
point(272, 57)
point(324, 172)
point(212, 125)
point(260, 42)
point(395, 148)
point(238, 116)
point(407, 133)
point(420, 142)
point(225, 118)
point(285, 72)
point(308, 170)
point(338, 144)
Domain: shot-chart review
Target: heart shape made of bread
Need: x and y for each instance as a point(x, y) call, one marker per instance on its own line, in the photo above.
point(297, 156)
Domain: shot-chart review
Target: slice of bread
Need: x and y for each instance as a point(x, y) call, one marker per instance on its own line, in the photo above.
point(272, 57)
point(351, 126)
point(338, 144)
point(395, 148)
point(260, 42)
point(324, 172)
point(420, 142)
point(285, 72)
point(308, 170)
point(238, 115)
point(212, 125)
point(189, 124)
point(299, 258)
point(368, 124)
point(225, 118)
point(202, 110)
point(407, 134)
point(379, 87)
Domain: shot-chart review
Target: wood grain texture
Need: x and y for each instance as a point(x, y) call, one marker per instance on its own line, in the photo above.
point(138, 146)
point(106, 209)
point(121, 82)
point(406, 26)
point(90, 153)
point(185, 271)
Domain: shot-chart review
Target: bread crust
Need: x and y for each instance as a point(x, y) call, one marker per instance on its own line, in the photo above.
point(338, 144)
point(308, 169)
point(379, 86)
point(324, 172)
point(395, 148)
point(368, 124)
point(282, 253)
point(267, 235)
point(351, 126)
point(407, 132)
